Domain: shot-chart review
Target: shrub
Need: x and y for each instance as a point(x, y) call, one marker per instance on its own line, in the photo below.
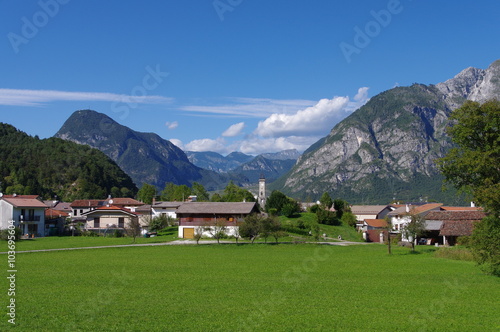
point(327, 217)
point(5, 233)
point(464, 241)
point(90, 234)
point(314, 208)
point(117, 233)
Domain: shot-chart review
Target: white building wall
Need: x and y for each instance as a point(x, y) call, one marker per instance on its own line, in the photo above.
point(230, 230)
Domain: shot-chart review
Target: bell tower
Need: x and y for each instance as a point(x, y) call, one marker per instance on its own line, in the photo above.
point(262, 191)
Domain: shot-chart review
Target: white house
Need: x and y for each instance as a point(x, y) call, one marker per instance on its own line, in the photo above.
point(402, 215)
point(27, 212)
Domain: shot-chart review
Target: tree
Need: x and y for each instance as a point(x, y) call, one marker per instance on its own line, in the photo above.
point(233, 193)
point(290, 208)
point(276, 201)
point(388, 229)
point(275, 228)
point(485, 244)
point(250, 227)
point(348, 218)
point(200, 192)
point(158, 223)
point(265, 228)
point(146, 193)
point(216, 198)
point(414, 229)
point(216, 230)
point(133, 228)
point(473, 165)
point(326, 201)
point(198, 234)
point(340, 207)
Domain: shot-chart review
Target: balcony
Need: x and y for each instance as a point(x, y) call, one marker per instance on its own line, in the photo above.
point(22, 218)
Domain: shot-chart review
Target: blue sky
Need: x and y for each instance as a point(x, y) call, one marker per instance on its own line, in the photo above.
point(229, 75)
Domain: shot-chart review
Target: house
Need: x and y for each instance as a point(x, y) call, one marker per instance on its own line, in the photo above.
point(82, 206)
point(127, 203)
point(374, 230)
point(55, 221)
point(26, 211)
point(454, 223)
point(363, 212)
point(197, 216)
point(401, 216)
point(59, 206)
point(108, 217)
point(168, 209)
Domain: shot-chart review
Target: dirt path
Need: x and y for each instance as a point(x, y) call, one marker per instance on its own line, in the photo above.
point(184, 242)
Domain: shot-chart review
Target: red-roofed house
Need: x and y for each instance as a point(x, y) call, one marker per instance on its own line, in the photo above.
point(105, 217)
point(402, 215)
point(54, 221)
point(373, 228)
point(25, 212)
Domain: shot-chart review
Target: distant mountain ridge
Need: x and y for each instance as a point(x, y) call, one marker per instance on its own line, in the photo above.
point(146, 157)
point(387, 148)
point(270, 165)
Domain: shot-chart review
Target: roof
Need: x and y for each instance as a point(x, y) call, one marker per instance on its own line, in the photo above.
point(87, 203)
point(111, 208)
point(461, 208)
point(216, 207)
point(377, 223)
point(143, 208)
point(367, 209)
point(433, 225)
point(53, 213)
point(457, 227)
point(455, 215)
point(24, 201)
point(415, 209)
point(165, 205)
point(124, 201)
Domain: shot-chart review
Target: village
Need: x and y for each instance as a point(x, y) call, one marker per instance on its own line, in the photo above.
point(40, 218)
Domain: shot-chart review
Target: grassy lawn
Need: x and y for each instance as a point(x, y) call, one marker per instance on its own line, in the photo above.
point(55, 242)
point(251, 287)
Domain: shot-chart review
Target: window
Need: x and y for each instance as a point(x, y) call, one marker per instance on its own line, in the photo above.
point(97, 222)
point(75, 212)
point(121, 222)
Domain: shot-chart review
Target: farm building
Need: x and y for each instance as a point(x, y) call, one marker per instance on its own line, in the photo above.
point(199, 216)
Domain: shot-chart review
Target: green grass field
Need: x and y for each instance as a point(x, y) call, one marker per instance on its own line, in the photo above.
point(250, 287)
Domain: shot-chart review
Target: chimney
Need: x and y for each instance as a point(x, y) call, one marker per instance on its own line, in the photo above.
point(472, 204)
point(407, 208)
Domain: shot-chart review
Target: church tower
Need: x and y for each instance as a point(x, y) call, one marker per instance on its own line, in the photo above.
point(262, 191)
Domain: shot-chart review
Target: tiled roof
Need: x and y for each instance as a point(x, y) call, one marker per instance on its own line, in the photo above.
point(111, 208)
point(457, 227)
point(378, 223)
point(22, 201)
point(167, 204)
point(461, 208)
point(219, 208)
point(125, 201)
point(52, 213)
point(455, 215)
point(87, 203)
point(415, 209)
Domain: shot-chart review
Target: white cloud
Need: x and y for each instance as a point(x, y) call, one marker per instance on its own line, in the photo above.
point(207, 144)
point(314, 120)
point(234, 130)
point(172, 125)
point(178, 143)
point(250, 107)
point(257, 145)
point(16, 97)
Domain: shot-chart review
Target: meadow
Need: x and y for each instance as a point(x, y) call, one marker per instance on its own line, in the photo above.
point(303, 287)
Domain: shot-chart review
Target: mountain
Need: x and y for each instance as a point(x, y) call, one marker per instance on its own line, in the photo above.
point(216, 162)
point(146, 157)
point(271, 169)
point(52, 166)
point(387, 148)
point(291, 154)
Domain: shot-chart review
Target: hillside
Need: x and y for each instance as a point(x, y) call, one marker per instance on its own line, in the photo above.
point(146, 157)
point(53, 166)
point(387, 149)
